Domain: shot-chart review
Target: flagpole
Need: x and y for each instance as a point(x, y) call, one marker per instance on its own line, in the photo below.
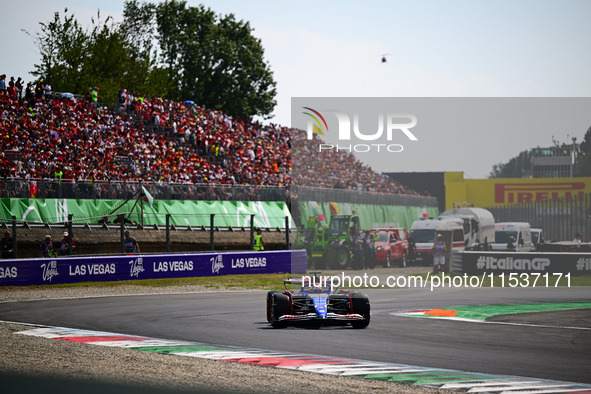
point(142, 209)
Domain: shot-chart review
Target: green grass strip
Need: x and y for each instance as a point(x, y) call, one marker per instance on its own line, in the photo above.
point(482, 312)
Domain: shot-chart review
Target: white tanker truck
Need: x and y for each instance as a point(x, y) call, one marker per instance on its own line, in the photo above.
point(479, 226)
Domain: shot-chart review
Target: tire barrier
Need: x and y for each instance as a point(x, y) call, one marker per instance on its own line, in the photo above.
point(24, 272)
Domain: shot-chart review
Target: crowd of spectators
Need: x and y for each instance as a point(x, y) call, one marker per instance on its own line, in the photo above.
point(337, 169)
point(71, 139)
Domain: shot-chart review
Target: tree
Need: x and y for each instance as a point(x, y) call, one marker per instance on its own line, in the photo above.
point(61, 45)
point(584, 156)
point(167, 50)
point(517, 167)
point(107, 55)
point(215, 61)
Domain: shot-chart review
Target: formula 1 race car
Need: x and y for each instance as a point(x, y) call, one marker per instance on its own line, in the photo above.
point(319, 305)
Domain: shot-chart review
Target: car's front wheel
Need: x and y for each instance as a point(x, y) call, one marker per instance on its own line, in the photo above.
point(270, 302)
point(280, 306)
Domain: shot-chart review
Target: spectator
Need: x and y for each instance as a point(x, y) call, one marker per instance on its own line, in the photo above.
point(130, 244)
point(30, 93)
point(39, 90)
point(65, 245)
point(12, 89)
point(7, 246)
point(19, 88)
point(47, 90)
point(47, 247)
point(125, 220)
point(95, 96)
point(104, 220)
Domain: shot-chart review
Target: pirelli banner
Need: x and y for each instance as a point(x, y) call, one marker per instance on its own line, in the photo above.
point(484, 263)
point(133, 267)
point(498, 192)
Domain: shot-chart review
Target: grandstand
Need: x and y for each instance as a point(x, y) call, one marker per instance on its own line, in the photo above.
point(160, 142)
point(63, 147)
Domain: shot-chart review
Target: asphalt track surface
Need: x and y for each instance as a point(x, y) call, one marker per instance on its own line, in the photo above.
point(548, 348)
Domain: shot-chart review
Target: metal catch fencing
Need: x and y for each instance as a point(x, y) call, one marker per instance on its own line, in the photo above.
point(121, 190)
point(559, 218)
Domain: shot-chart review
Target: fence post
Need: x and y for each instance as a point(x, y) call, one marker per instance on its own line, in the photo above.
point(14, 237)
point(71, 236)
point(168, 232)
point(287, 243)
point(211, 221)
point(121, 231)
point(251, 232)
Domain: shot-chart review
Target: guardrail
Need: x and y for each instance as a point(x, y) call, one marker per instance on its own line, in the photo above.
point(20, 230)
point(559, 218)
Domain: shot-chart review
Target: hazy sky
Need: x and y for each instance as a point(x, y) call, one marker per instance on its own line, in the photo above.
point(500, 48)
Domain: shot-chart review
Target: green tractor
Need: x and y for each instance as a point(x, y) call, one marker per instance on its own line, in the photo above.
point(330, 245)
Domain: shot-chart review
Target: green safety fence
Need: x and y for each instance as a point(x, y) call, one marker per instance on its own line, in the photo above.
point(370, 216)
point(267, 214)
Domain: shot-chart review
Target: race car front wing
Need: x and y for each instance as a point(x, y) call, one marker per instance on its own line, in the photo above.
point(329, 316)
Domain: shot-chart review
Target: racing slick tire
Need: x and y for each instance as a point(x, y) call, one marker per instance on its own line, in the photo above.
point(360, 305)
point(270, 302)
point(338, 257)
point(280, 306)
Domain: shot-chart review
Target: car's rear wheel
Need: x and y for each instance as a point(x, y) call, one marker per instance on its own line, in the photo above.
point(280, 306)
point(360, 305)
